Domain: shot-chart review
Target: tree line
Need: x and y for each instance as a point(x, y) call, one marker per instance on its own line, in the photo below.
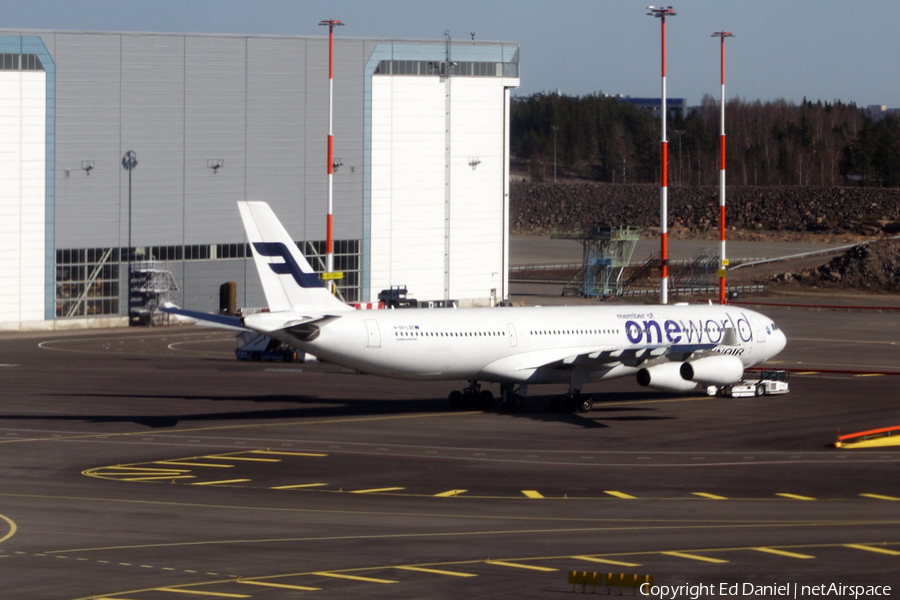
point(609, 139)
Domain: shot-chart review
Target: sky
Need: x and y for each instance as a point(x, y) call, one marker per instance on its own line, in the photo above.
point(783, 49)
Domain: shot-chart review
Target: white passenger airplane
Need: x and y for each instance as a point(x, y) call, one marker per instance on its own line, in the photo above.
point(672, 348)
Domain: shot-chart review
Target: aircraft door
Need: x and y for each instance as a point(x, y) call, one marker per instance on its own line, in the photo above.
point(760, 330)
point(373, 333)
point(513, 340)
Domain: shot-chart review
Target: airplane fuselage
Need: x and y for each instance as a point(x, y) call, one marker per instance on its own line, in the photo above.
point(536, 344)
point(668, 347)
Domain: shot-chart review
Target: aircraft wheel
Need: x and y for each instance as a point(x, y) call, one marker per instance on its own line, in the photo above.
point(518, 402)
point(486, 399)
point(584, 404)
point(556, 404)
point(455, 399)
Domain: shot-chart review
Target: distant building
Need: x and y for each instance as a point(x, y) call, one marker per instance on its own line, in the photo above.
point(676, 106)
point(421, 192)
point(880, 111)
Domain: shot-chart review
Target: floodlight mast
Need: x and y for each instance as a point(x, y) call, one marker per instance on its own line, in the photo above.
point(329, 240)
point(661, 13)
point(723, 262)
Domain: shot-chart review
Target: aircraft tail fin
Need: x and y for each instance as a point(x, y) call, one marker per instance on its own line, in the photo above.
point(288, 281)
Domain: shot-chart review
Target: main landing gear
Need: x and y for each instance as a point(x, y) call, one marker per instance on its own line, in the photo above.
point(573, 401)
point(472, 396)
point(512, 397)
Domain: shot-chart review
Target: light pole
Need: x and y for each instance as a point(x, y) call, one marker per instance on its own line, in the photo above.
point(329, 240)
point(129, 162)
point(555, 129)
point(661, 14)
point(723, 262)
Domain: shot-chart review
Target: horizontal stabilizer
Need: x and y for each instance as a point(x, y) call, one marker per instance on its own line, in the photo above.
point(217, 320)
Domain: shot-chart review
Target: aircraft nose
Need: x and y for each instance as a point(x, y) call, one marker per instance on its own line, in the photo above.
point(780, 341)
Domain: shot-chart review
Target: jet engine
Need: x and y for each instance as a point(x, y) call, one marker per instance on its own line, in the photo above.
point(713, 370)
point(665, 376)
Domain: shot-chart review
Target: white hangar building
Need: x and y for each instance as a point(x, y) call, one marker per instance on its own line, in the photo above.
point(421, 144)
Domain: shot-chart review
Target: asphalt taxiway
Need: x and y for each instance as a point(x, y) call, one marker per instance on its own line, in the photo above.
point(150, 465)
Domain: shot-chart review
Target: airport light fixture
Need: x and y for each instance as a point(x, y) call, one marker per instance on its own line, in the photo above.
point(723, 262)
point(129, 162)
point(329, 239)
point(661, 13)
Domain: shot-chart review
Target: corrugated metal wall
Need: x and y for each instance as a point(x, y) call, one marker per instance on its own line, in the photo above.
point(258, 107)
point(258, 104)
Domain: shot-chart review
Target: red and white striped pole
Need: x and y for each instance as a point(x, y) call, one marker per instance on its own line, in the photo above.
point(661, 13)
point(329, 240)
point(723, 262)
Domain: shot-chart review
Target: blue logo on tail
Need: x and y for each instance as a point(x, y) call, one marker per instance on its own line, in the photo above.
point(289, 266)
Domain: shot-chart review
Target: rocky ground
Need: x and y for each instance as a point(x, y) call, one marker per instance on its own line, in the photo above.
point(538, 208)
point(845, 215)
point(871, 267)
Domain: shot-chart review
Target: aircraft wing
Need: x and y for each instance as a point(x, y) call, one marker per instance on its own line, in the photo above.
point(521, 366)
point(563, 357)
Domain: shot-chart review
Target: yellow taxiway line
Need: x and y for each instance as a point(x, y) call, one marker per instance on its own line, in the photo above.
point(191, 464)
point(504, 563)
point(221, 482)
point(783, 553)
point(378, 490)
point(353, 577)
point(696, 557)
point(438, 571)
point(12, 528)
point(299, 486)
point(606, 561)
point(278, 585)
point(621, 495)
point(794, 496)
point(868, 548)
point(285, 453)
point(450, 493)
point(199, 593)
point(880, 497)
